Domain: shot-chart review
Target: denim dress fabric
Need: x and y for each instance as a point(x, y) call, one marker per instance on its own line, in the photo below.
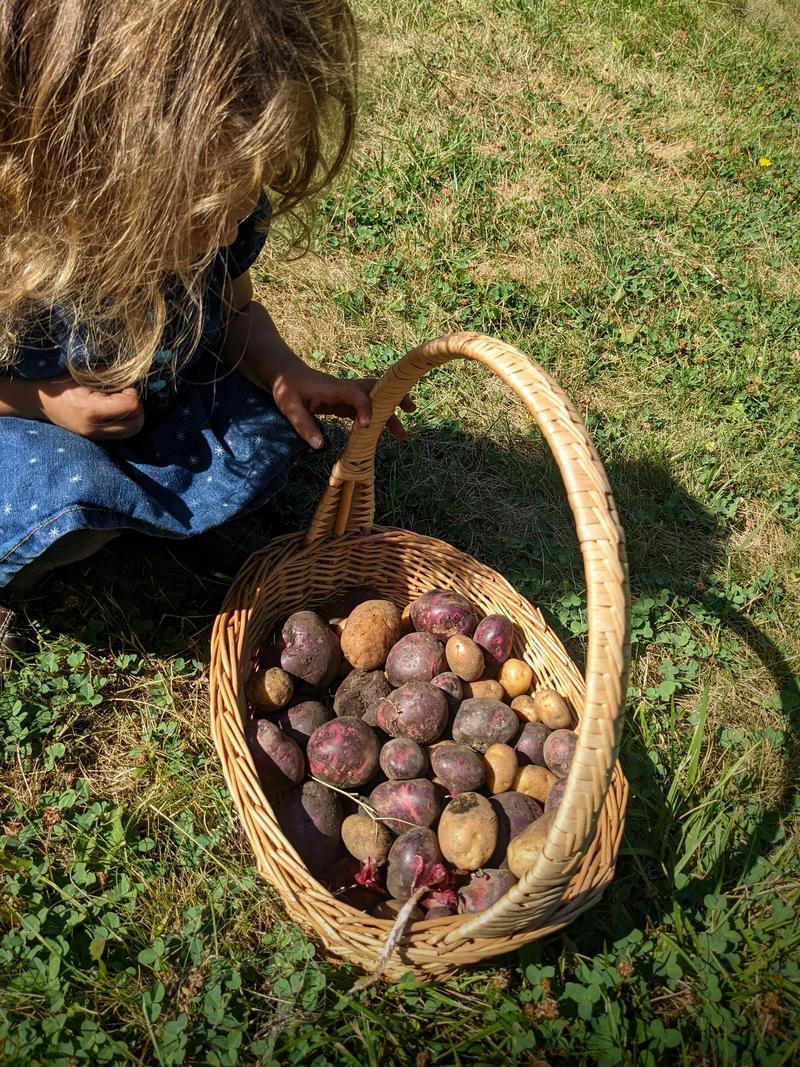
point(212, 444)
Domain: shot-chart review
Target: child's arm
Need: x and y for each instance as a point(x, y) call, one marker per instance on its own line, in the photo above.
point(254, 346)
point(99, 416)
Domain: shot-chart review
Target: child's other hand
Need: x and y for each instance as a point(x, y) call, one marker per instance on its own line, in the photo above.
point(98, 416)
point(301, 392)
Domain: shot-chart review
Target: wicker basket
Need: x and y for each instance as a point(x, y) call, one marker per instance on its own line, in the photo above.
point(343, 548)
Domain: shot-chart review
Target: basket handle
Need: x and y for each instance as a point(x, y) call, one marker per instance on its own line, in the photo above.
point(348, 506)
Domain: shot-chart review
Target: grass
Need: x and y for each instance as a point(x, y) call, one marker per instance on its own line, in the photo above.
point(614, 188)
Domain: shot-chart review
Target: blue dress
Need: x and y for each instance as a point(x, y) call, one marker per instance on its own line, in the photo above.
point(212, 444)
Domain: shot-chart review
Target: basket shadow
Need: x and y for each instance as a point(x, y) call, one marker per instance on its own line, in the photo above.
point(504, 504)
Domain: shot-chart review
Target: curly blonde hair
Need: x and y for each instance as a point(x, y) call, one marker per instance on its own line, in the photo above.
point(128, 126)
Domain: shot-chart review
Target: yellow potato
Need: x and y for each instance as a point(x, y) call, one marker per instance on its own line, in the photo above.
point(525, 708)
point(468, 831)
point(270, 690)
point(464, 658)
point(534, 782)
point(526, 847)
point(501, 767)
point(515, 677)
point(370, 631)
point(366, 838)
point(485, 688)
point(552, 709)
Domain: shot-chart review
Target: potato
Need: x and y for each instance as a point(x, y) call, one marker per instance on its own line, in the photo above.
point(484, 888)
point(556, 795)
point(301, 720)
point(388, 909)
point(459, 768)
point(402, 805)
point(515, 677)
point(526, 847)
point(405, 620)
point(311, 649)
point(552, 710)
point(480, 723)
point(343, 752)
point(535, 782)
point(495, 635)
point(402, 759)
point(410, 859)
point(468, 831)
point(360, 693)
point(277, 758)
point(530, 744)
point(485, 689)
point(559, 750)
point(464, 658)
point(451, 687)
point(438, 911)
point(500, 762)
point(311, 818)
point(417, 710)
point(415, 658)
point(371, 630)
point(341, 880)
point(525, 709)
point(366, 838)
point(514, 812)
point(444, 613)
point(336, 610)
point(270, 690)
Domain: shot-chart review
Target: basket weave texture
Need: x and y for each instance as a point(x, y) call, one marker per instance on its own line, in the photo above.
point(342, 548)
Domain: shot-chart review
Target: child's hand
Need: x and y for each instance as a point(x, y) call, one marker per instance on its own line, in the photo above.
point(98, 416)
point(300, 392)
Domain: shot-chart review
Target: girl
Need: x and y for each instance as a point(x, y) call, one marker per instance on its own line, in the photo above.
point(141, 387)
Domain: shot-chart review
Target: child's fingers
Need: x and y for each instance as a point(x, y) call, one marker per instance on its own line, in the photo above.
point(122, 407)
point(354, 396)
point(299, 416)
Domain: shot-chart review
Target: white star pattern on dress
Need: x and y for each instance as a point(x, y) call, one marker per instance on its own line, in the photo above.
point(210, 478)
point(259, 440)
point(194, 459)
point(34, 507)
point(61, 451)
point(54, 533)
point(219, 450)
point(33, 459)
point(251, 400)
point(7, 509)
point(33, 432)
point(180, 436)
point(76, 478)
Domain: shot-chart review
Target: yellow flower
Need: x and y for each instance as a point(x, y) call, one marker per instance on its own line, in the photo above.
point(760, 88)
point(765, 161)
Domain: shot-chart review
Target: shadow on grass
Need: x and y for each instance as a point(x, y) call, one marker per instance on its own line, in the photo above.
point(507, 507)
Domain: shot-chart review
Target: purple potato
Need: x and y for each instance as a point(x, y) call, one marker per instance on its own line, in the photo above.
point(360, 693)
point(343, 752)
point(410, 859)
point(417, 710)
point(311, 817)
point(444, 614)
point(556, 795)
point(301, 720)
point(495, 635)
point(460, 768)
point(415, 658)
point(485, 888)
point(311, 652)
point(452, 687)
point(514, 812)
point(438, 911)
point(402, 759)
point(278, 759)
point(481, 722)
point(530, 744)
point(402, 805)
point(559, 750)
